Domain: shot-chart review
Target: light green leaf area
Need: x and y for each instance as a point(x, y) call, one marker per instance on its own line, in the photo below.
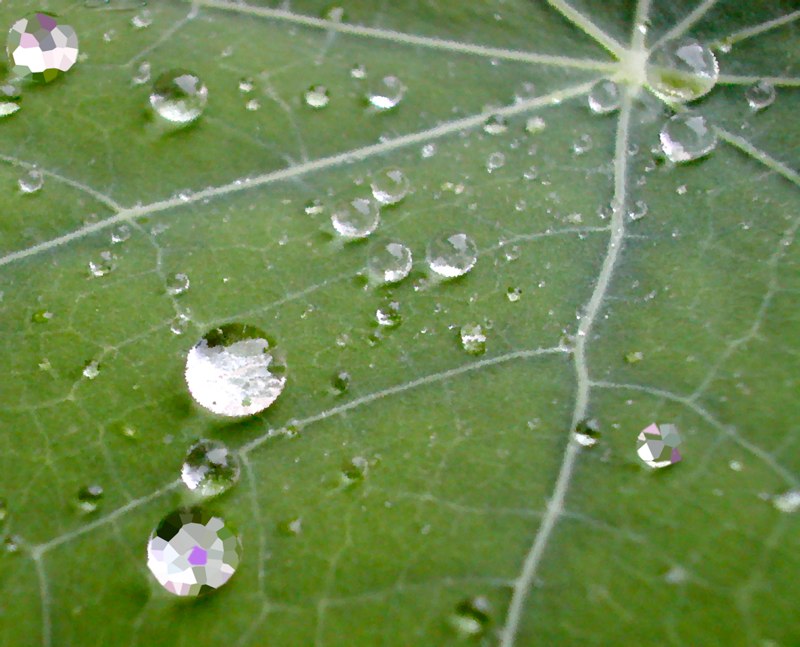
point(475, 485)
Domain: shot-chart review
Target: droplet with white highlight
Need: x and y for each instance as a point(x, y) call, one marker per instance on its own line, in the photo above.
point(473, 338)
point(657, 445)
point(682, 70)
point(687, 136)
point(31, 181)
point(357, 218)
point(451, 255)
point(605, 97)
point(760, 95)
point(317, 96)
point(386, 93)
point(179, 97)
point(210, 468)
point(390, 186)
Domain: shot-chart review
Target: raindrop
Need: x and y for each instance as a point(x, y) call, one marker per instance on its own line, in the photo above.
point(428, 151)
point(142, 74)
point(385, 93)
point(317, 96)
point(89, 498)
point(686, 137)
point(142, 20)
point(91, 370)
point(41, 316)
point(604, 97)
point(290, 527)
point(682, 70)
point(9, 98)
point(638, 211)
point(357, 218)
point(105, 265)
point(760, 95)
point(340, 382)
point(178, 284)
point(535, 125)
point(210, 468)
point(191, 552)
point(451, 255)
point(355, 470)
point(495, 125)
point(31, 181)
point(179, 96)
point(389, 315)
point(390, 186)
point(583, 144)
point(358, 71)
point(473, 338)
point(232, 371)
point(472, 617)
point(587, 432)
point(179, 324)
point(40, 47)
point(120, 234)
point(389, 262)
point(788, 501)
point(658, 445)
point(495, 161)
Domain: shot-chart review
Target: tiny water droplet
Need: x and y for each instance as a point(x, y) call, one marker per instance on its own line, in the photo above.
point(355, 470)
point(514, 294)
point(535, 125)
point(142, 74)
point(682, 70)
point(178, 284)
point(495, 161)
point(110, 35)
point(386, 93)
point(340, 382)
point(180, 324)
point(11, 544)
point(290, 527)
point(451, 255)
point(583, 144)
point(9, 98)
point(389, 262)
point(31, 181)
point(210, 468)
point(252, 105)
point(89, 498)
point(142, 20)
point(473, 338)
point(389, 315)
point(233, 371)
point(179, 96)
point(358, 71)
point(390, 186)
point(495, 125)
point(472, 617)
point(41, 316)
point(657, 445)
point(587, 432)
point(634, 357)
point(91, 370)
point(317, 96)
point(686, 137)
point(525, 92)
point(760, 95)
point(314, 207)
point(604, 97)
point(120, 234)
point(357, 218)
point(788, 501)
point(428, 151)
point(638, 210)
point(102, 266)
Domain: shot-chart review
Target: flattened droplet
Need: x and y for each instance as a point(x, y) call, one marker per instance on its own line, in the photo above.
point(179, 97)
point(9, 98)
point(39, 46)
point(686, 137)
point(233, 371)
point(682, 70)
point(495, 125)
point(587, 432)
point(191, 552)
point(386, 93)
point(760, 95)
point(451, 255)
point(390, 186)
point(389, 262)
point(658, 445)
point(210, 468)
point(356, 219)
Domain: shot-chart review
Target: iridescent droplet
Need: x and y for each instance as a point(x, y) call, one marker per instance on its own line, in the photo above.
point(657, 445)
point(605, 97)
point(89, 498)
point(210, 468)
point(31, 181)
point(178, 284)
point(317, 96)
point(686, 137)
point(357, 218)
point(390, 186)
point(760, 95)
point(682, 70)
point(389, 262)
point(473, 338)
point(386, 92)
point(451, 255)
point(179, 96)
point(40, 47)
point(472, 617)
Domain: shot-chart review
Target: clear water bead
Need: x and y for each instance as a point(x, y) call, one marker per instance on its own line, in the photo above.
point(495, 125)
point(317, 96)
point(788, 501)
point(210, 468)
point(89, 498)
point(357, 218)
point(178, 284)
point(451, 255)
point(389, 262)
point(472, 617)
point(682, 70)
point(9, 98)
point(760, 95)
point(605, 97)
point(473, 338)
point(39, 46)
point(232, 371)
point(389, 315)
point(31, 181)
point(686, 137)
point(385, 93)
point(390, 186)
point(191, 552)
point(179, 96)
point(657, 445)
point(142, 74)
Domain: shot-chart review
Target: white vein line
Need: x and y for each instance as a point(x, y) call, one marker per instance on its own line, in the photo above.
point(755, 450)
point(291, 172)
point(408, 39)
point(691, 19)
point(555, 506)
point(738, 79)
point(770, 162)
point(587, 26)
point(41, 549)
point(165, 36)
point(44, 596)
point(407, 386)
point(755, 30)
point(639, 25)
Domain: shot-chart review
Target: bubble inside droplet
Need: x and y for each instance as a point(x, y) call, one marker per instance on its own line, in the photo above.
point(682, 70)
point(390, 186)
point(357, 218)
point(179, 96)
point(760, 95)
point(451, 255)
point(687, 136)
point(389, 262)
point(604, 98)
point(209, 468)
point(386, 92)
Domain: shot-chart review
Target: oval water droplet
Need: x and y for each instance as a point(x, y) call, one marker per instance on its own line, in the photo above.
point(451, 255)
point(210, 468)
point(89, 498)
point(390, 186)
point(686, 137)
point(178, 284)
point(472, 617)
point(31, 181)
point(760, 95)
point(179, 97)
point(317, 96)
point(473, 338)
point(386, 93)
point(495, 125)
point(605, 97)
point(191, 552)
point(388, 315)
point(389, 262)
point(357, 218)
point(233, 371)
point(180, 324)
point(682, 70)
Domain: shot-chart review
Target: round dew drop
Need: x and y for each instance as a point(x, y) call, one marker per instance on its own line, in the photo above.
point(682, 70)
point(31, 181)
point(604, 97)
point(686, 137)
point(356, 219)
point(390, 186)
point(179, 97)
point(389, 262)
point(210, 468)
point(89, 498)
point(495, 125)
point(317, 96)
point(233, 371)
point(385, 93)
point(473, 338)
point(472, 617)
point(760, 95)
point(451, 255)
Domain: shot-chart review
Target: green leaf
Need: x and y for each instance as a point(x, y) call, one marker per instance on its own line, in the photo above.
point(473, 484)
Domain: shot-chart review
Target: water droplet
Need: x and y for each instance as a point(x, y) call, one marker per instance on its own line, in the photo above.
point(179, 96)
point(428, 151)
point(180, 324)
point(495, 161)
point(9, 98)
point(317, 96)
point(634, 357)
point(514, 294)
point(604, 97)
point(89, 498)
point(385, 93)
point(31, 181)
point(760, 95)
point(120, 234)
point(355, 470)
point(495, 125)
point(91, 370)
point(40, 47)
point(390, 186)
point(3, 510)
point(210, 468)
point(232, 371)
point(389, 315)
point(103, 266)
point(290, 527)
point(340, 382)
point(389, 262)
point(587, 432)
point(535, 125)
point(525, 92)
point(178, 284)
point(638, 210)
point(686, 137)
point(191, 551)
point(11, 544)
point(451, 255)
point(357, 218)
point(41, 316)
point(788, 501)
point(472, 617)
point(143, 19)
point(682, 70)
point(658, 445)
point(314, 207)
point(110, 35)
point(473, 338)
point(252, 105)
point(583, 144)
point(358, 71)
point(142, 74)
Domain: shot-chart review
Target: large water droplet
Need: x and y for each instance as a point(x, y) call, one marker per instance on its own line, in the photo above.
point(179, 96)
point(682, 70)
point(760, 95)
point(31, 181)
point(389, 262)
point(657, 445)
point(89, 498)
point(317, 96)
point(472, 617)
point(451, 255)
point(191, 552)
point(357, 218)
point(473, 338)
point(390, 186)
point(210, 468)
point(386, 92)
point(232, 371)
point(604, 97)
point(687, 136)
point(40, 47)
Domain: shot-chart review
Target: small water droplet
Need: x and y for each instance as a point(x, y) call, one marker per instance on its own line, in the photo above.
point(525, 92)
point(451, 255)
point(389, 315)
point(386, 93)
point(317, 96)
point(102, 266)
point(583, 144)
point(472, 617)
point(495, 161)
point(686, 137)
point(495, 125)
point(110, 35)
point(357, 218)
point(682, 70)
point(788, 501)
point(314, 207)
point(473, 338)
point(91, 370)
point(179, 96)
point(587, 432)
point(233, 371)
point(142, 74)
point(120, 234)
point(428, 151)
point(290, 527)
point(31, 181)
point(514, 294)
point(358, 71)
point(604, 97)
point(760, 95)
point(657, 445)
point(89, 498)
point(340, 382)
point(390, 186)
point(11, 544)
point(535, 125)
point(142, 20)
point(9, 98)
point(638, 210)
point(210, 468)
point(178, 284)
point(736, 466)
point(634, 357)
point(41, 316)
point(180, 324)
point(252, 105)
point(389, 262)
point(355, 470)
